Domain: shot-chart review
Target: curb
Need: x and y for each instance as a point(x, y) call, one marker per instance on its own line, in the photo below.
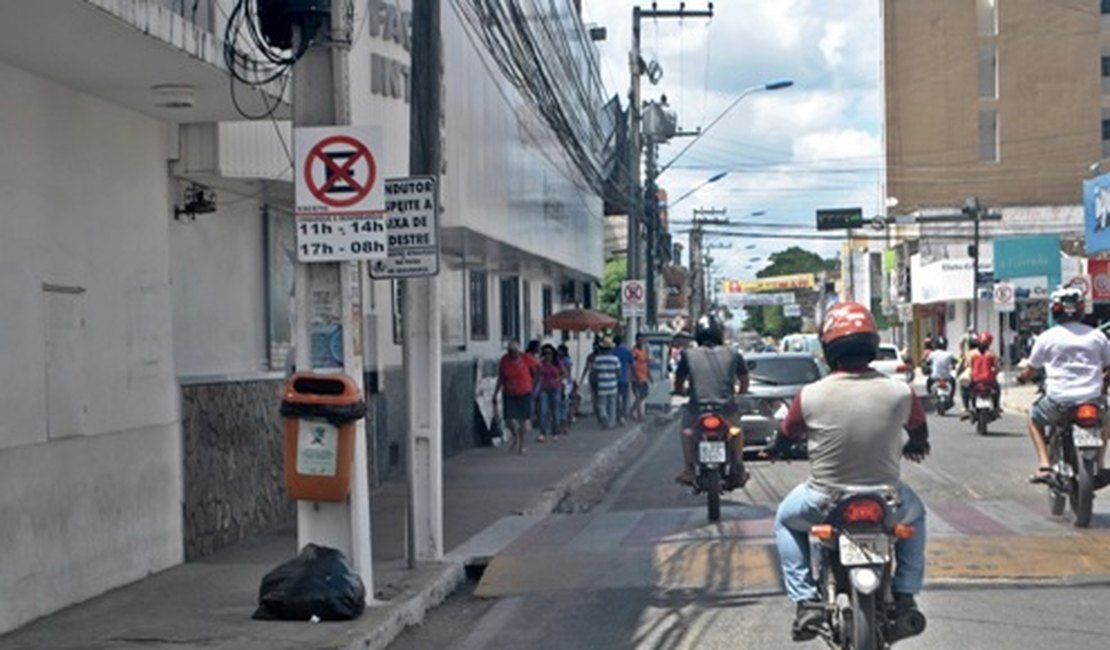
point(602, 463)
point(400, 614)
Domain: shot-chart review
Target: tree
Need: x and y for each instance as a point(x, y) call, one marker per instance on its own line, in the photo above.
point(609, 297)
point(769, 320)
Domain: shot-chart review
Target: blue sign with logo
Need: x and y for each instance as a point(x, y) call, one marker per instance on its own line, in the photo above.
point(1025, 257)
point(1096, 213)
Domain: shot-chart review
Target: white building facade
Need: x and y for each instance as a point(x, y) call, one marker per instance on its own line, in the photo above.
point(143, 340)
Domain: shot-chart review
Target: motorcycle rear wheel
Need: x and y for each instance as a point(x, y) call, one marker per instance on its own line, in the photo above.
point(712, 478)
point(865, 626)
point(981, 424)
point(1083, 495)
point(1056, 498)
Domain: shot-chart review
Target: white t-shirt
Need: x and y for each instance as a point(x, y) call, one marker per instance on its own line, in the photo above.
point(940, 363)
point(1073, 356)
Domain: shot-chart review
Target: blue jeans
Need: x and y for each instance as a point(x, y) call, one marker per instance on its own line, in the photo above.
point(607, 409)
point(805, 506)
point(552, 411)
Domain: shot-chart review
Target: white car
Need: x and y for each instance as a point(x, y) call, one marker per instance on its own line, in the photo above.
point(890, 363)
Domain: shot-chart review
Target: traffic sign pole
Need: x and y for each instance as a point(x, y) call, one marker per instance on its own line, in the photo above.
point(328, 293)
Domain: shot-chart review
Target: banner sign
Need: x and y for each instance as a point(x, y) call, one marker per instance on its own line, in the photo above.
point(1096, 214)
point(776, 283)
point(942, 281)
point(1099, 271)
point(1034, 288)
point(1028, 256)
point(758, 299)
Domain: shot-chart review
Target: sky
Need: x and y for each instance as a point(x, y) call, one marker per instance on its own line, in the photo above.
point(789, 152)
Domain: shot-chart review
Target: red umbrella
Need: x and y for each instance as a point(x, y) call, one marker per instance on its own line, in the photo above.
point(579, 320)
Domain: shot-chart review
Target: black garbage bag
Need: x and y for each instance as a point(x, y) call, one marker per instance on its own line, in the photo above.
point(320, 581)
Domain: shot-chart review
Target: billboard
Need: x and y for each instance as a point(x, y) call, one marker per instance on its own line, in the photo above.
point(1028, 256)
point(1096, 213)
point(775, 283)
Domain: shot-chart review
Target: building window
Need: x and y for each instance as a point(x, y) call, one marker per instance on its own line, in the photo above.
point(1106, 133)
point(988, 71)
point(548, 306)
point(587, 296)
point(510, 309)
point(1106, 66)
point(987, 14)
point(988, 136)
point(281, 252)
point(1106, 7)
point(479, 306)
point(1105, 70)
point(526, 289)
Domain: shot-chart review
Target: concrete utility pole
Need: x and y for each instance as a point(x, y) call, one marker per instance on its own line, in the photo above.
point(697, 257)
point(974, 210)
point(643, 209)
point(320, 98)
point(421, 310)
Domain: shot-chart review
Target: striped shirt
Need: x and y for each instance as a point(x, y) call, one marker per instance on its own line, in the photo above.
point(607, 369)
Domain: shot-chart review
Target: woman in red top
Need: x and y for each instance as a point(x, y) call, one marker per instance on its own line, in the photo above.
point(516, 374)
point(552, 375)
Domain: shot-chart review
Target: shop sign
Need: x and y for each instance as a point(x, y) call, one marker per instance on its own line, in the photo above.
point(775, 283)
point(1096, 214)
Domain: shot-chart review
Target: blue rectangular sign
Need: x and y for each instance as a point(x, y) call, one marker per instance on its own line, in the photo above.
point(1096, 213)
point(1024, 257)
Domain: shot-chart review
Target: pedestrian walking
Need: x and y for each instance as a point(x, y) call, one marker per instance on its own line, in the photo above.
point(624, 379)
point(641, 378)
point(589, 374)
point(607, 369)
point(552, 376)
point(570, 388)
point(516, 376)
point(533, 354)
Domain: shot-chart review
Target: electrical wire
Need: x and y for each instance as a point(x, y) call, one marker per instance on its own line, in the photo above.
point(252, 61)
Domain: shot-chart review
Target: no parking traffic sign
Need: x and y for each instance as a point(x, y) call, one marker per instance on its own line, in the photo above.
point(1004, 296)
point(633, 298)
point(337, 170)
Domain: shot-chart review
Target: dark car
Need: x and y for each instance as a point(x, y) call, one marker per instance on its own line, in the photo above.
point(775, 379)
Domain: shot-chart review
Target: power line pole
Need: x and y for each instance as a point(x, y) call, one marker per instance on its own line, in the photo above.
point(644, 208)
point(329, 292)
point(698, 270)
point(974, 210)
point(420, 302)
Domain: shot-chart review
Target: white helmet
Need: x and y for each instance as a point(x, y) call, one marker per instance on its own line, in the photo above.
point(1067, 303)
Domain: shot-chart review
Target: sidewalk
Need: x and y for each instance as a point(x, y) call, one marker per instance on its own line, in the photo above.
point(208, 603)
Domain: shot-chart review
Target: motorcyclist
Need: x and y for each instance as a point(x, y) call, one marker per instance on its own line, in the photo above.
point(853, 419)
point(1074, 357)
point(983, 366)
point(716, 374)
point(941, 362)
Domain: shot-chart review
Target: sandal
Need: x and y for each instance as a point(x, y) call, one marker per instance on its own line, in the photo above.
point(1043, 475)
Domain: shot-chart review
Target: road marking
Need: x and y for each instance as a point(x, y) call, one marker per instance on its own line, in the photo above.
point(1019, 517)
point(605, 532)
point(967, 519)
point(492, 625)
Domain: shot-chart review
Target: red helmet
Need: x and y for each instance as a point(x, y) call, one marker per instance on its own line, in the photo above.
point(849, 331)
point(984, 339)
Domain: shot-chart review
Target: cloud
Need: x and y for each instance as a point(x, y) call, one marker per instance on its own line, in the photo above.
point(788, 152)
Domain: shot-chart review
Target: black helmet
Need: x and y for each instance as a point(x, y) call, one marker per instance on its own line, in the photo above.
point(709, 331)
point(940, 343)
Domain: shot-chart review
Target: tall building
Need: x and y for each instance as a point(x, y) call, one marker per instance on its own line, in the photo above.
point(1007, 100)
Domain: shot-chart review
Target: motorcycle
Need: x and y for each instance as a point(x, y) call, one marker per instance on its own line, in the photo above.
point(856, 571)
point(982, 411)
point(715, 465)
point(942, 393)
point(1073, 455)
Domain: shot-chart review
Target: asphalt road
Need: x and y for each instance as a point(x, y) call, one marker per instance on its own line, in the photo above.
point(637, 565)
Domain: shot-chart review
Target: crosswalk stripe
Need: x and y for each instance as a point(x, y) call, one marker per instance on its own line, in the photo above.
point(967, 519)
point(1018, 517)
point(936, 526)
point(605, 531)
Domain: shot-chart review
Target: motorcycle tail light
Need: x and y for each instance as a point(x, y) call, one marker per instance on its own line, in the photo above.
point(983, 389)
point(823, 532)
point(711, 422)
point(904, 531)
point(863, 511)
point(943, 383)
point(1087, 415)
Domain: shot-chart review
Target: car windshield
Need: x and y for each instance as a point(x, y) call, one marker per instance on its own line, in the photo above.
point(779, 371)
point(886, 354)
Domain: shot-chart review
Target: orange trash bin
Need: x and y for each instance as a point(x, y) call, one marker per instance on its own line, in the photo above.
point(320, 412)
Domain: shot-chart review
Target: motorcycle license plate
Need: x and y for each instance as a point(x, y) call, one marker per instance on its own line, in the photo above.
point(711, 451)
point(983, 403)
point(858, 550)
point(1085, 438)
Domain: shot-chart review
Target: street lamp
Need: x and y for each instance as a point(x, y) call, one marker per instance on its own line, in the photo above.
point(712, 179)
point(773, 85)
